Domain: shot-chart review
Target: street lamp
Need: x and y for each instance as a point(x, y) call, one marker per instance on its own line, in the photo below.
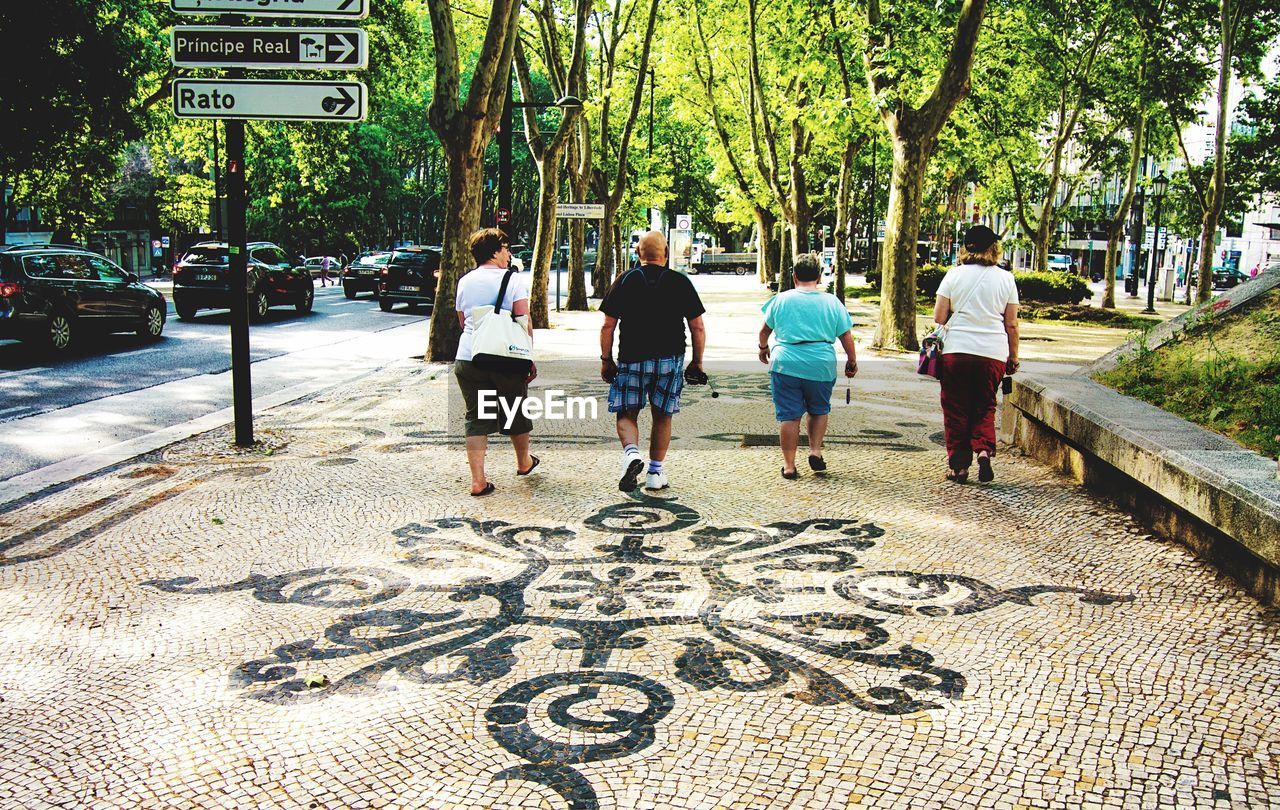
point(1135, 239)
point(1158, 187)
point(503, 214)
point(1088, 224)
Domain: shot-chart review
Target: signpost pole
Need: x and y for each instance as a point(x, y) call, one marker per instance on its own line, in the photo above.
point(241, 383)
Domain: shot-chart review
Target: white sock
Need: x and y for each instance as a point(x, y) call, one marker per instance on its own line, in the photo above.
point(630, 450)
point(655, 466)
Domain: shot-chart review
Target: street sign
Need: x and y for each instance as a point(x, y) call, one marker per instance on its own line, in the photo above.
point(346, 9)
point(580, 210)
point(270, 100)
point(504, 216)
point(271, 48)
point(683, 222)
point(164, 241)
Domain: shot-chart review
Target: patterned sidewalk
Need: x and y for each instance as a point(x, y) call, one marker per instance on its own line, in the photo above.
point(330, 622)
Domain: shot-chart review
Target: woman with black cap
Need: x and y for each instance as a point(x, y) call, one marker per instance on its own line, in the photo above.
point(978, 302)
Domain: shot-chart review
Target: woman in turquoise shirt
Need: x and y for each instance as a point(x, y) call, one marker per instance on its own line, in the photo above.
point(804, 323)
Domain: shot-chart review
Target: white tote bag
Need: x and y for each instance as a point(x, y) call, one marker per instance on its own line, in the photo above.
point(500, 340)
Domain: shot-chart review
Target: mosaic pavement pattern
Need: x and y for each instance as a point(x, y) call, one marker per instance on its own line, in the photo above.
point(329, 621)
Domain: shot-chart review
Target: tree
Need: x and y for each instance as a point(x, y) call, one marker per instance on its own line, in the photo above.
point(896, 44)
point(464, 129)
point(611, 187)
point(548, 155)
point(77, 70)
point(1245, 29)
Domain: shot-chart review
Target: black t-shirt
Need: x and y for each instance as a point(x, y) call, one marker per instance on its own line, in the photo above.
point(651, 303)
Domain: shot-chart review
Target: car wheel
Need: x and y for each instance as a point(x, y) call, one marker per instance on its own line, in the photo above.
point(61, 331)
point(385, 304)
point(740, 270)
point(185, 311)
point(152, 323)
point(348, 291)
point(305, 303)
point(259, 305)
point(693, 270)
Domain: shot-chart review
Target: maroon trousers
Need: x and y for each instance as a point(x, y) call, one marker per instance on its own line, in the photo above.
point(969, 385)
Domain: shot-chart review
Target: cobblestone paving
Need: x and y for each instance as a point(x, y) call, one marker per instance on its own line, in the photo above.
point(330, 622)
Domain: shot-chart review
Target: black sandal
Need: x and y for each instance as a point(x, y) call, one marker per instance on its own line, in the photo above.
point(790, 476)
point(532, 466)
point(985, 473)
point(488, 490)
point(817, 463)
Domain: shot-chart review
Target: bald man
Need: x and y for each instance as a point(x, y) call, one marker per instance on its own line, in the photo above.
point(652, 304)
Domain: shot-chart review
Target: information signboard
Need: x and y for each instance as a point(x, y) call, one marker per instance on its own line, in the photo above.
point(211, 46)
point(270, 100)
point(344, 9)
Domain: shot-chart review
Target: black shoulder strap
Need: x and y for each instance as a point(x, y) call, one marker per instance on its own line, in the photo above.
point(502, 291)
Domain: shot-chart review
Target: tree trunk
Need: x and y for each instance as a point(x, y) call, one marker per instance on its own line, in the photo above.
point(1218, 185)
point(766, 253)
point(786, 242)
point(897, 327)
point(605, 272)
point(842, 218)
point(1115, 228)
point(577, 241)
point(461, 219)
point(544, 242)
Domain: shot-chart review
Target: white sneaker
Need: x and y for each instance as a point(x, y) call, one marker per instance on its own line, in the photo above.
point(632, 464)
point(655, 480)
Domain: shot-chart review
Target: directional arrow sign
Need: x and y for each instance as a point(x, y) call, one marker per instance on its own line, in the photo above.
point(279, 48)
point(270, 100)
point(347, 9)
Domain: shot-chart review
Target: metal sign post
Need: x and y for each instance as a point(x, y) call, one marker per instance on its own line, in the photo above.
point(574, 211)
point(237, 201)
point(235, 100)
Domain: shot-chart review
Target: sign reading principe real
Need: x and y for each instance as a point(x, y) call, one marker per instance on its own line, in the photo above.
point(271, 48)
point(344, 9)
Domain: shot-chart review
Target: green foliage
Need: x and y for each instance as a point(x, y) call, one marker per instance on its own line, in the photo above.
point(1052, 288)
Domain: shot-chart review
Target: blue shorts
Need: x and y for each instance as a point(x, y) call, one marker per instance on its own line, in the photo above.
point(793, 397)
point(658, 381)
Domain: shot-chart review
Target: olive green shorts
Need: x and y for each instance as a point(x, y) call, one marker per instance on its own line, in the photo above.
point(510, 388)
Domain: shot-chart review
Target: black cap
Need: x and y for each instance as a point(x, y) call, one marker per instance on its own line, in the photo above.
point(979, 238)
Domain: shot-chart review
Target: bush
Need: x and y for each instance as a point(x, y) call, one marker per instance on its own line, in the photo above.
point(927, 279)
point(1051, 288)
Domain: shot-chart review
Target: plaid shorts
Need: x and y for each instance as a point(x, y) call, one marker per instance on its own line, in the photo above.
point(660, 381)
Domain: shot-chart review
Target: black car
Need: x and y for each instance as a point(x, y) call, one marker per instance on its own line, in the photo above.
point(1224, 278)
point(56, 293)
point(202, 281)
point(410, 277)
point(363, 273)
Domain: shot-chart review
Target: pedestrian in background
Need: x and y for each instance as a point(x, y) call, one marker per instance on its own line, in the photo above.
point(978, 302)
point(804, 323)
point(326, 264)
point(480, 288)
point(652, 305)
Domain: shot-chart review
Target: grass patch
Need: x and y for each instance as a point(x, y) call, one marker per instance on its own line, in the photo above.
point(1080, 313)
point(1222, 374)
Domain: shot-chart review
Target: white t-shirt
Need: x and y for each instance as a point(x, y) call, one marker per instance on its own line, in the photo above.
point(479, 288)
point(978, 295)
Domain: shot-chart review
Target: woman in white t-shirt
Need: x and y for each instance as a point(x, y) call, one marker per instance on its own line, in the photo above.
point(479, 288)
point(978, 301)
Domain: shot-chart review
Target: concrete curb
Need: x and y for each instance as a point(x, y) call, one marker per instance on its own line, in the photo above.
point(1073, 423)
point(23, 486)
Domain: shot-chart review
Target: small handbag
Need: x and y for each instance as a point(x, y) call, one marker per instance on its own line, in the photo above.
point(931, 353)
point(500, 341)
point(931, 344)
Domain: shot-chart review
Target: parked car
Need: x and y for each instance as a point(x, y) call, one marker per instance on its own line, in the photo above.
point(410, 277)
point(313, 264)
point(202, 281)
point(56, 293)
point(522, 257)
point(1061, 262)
point(1227, 277)
point(588, 258)
point(363, 273)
